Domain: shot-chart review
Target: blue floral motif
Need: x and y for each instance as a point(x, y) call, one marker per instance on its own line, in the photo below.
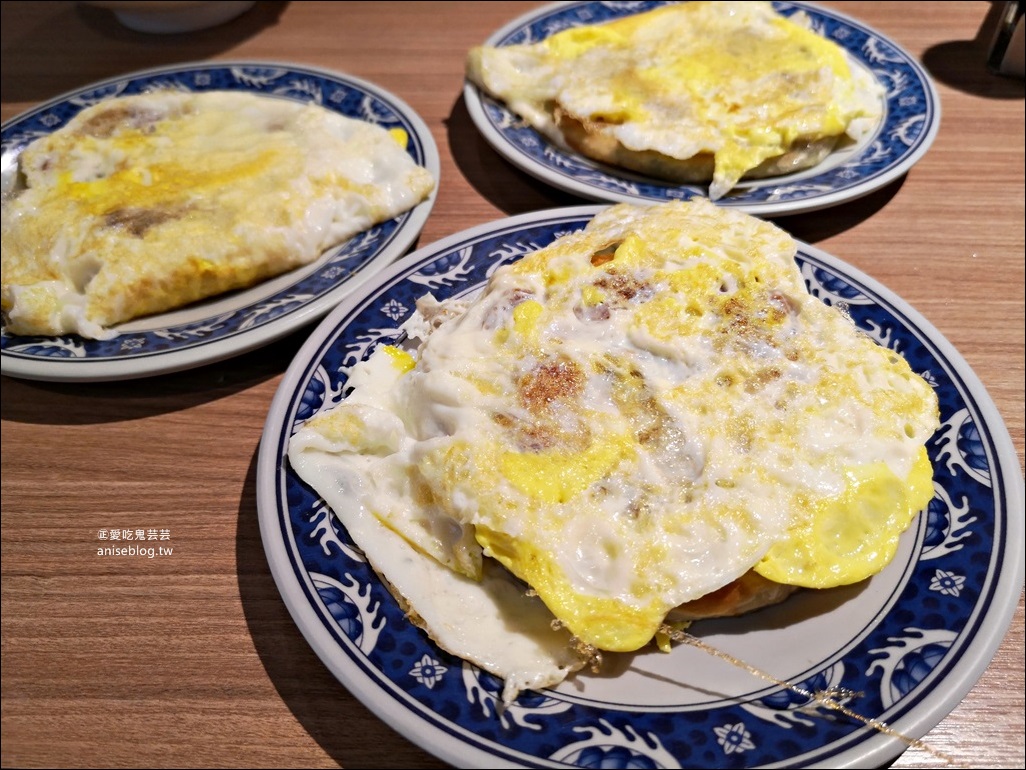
point(344, 611)
point(43, 349)
point(394, 310)
point(734, 738)
point(971, 446)
point(960, 444)
point(918, 665)
point(789, 699)
point(605, 744)
point(132, 343)
point(836, 285)
point(443, 265)
point(612, 757)
point(428, 671)
point(937, 522)
point(312, 399)
point(947, 583)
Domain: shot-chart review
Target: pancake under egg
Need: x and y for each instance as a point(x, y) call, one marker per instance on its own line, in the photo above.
point(688, 92)
point(628, 420)
point(148, 202)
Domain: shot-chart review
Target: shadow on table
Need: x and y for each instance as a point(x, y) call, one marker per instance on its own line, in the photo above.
point(91, 403)
point(962, 64)
point(826, 223)
point(497, 180)
point(331, 715)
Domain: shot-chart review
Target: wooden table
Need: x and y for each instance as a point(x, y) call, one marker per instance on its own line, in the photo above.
point(193, 659)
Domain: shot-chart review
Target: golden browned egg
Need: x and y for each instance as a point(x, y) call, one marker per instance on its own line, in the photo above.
point(149, 202)
point(690, 92)
point(627, 420)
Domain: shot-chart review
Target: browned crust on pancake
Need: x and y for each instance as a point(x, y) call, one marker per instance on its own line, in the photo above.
point(591, 139)
point(748, 593)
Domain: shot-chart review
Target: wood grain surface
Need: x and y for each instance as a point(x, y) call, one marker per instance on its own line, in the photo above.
point(192, 660)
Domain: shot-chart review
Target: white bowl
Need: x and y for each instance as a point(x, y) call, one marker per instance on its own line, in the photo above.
point(165, 18)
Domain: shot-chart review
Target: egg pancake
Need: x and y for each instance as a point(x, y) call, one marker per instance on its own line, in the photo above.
point(146, 203)
point(638, 416)
point(690, 92)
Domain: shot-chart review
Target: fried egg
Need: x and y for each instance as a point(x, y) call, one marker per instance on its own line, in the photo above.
point(627, 420)
point(689, 92)
point(149, 202)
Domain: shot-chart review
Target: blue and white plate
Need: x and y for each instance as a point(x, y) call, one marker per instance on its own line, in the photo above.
point(910, 124)
point(234, 323)
point(912, 640)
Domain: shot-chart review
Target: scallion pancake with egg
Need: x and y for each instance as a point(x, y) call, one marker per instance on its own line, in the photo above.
point(690, 92)
point(646, 420)
point(149, 202)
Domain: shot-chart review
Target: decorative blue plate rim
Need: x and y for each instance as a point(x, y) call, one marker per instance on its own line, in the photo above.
point(910, 125)
point(241, 321)
point(914, 639)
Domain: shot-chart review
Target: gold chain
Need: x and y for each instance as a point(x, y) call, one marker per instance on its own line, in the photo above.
point(827, 698)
